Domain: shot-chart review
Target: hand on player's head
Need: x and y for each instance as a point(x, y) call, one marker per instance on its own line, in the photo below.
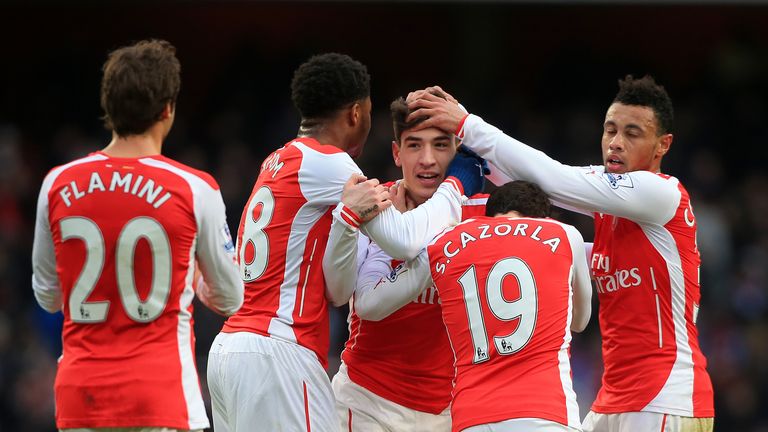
point(367, 198)
point(445, 114)
point(433, 90)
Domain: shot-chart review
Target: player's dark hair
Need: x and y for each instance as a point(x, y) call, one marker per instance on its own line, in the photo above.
point(399, 110)
point(139, 80)
point(328, 82)
point(521, 196)
point(645, 92)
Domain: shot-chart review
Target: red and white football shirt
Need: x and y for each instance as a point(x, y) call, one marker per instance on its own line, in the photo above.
point(406, 357)
point(506, 288)
point(654, 271)
point(115, 246)
point(281, 242)
point(283, 235)
point(646, 265)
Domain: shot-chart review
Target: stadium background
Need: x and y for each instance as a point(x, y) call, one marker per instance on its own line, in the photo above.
point(543, 72)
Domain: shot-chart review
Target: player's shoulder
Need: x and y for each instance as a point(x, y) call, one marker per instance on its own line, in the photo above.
point(315, 145)
point(180, 169)
point(81, 162)
point(571, 230)
point(478, 199)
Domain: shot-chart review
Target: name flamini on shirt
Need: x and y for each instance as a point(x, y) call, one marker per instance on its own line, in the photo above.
point(485, 232)
point(139, 186)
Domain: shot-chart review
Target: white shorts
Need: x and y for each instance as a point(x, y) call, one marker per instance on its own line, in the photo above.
point(361, 410)
point(645, 421)
point(522, 425)
point(258, 383)
point(129, 429)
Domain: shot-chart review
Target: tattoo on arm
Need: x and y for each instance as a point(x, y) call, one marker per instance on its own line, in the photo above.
point(367, 211)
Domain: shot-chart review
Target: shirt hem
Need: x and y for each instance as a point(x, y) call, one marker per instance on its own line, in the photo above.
point(428, 409)
point(152, 422)
point(606, 409)
point(500, 417)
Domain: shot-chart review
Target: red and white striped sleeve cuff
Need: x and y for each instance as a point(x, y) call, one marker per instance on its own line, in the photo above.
point(456, 183)
point(348, 216)
point(460, 130)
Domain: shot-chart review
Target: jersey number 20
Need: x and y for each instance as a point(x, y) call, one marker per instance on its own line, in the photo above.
point(84, 312)
point(524, 307)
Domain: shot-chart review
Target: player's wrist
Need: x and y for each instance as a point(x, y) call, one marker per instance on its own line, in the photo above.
point(460, 128)
point(348, 216)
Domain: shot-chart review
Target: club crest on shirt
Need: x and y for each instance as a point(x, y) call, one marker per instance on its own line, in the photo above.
point(618, 180)
point(228, 244)
point(397, 271)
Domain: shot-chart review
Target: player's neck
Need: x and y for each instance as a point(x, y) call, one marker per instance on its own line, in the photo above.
point(149, 143)
point(512, 214)
point(411, 202)
point(323, 132)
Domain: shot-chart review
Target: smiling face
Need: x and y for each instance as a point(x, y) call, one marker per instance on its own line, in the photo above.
point(424, 157)
point(631, 139)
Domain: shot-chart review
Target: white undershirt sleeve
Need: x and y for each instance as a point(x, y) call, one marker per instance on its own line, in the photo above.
point(45, 280)
point(640, 195)
point(222, 288)
point(381, 290)
point(580, 281)
point(345, 252)
point(403, 235)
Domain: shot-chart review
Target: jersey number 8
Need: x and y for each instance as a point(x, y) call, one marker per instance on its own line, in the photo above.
point(254, 251)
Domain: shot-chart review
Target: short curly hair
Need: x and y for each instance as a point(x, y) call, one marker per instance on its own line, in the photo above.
point(521, 196)
point(645, 92)
point(328, 82)
point(139, 80)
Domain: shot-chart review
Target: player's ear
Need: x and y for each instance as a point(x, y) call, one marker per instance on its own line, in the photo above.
point(396, 153)
point(665, 142)
point(354, 114)
point(168, 111)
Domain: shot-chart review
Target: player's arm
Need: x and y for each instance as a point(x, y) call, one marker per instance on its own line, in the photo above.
point(382, 290)
point(45, 280)
point(641, 196)
point(324, 179)
point(221, 288)
point(580, 281)
point(403, 235)
point(499, 178)
point(344, 253)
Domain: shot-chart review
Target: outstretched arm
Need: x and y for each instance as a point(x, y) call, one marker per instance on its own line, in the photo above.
point(382, 290)
point(641, 195)
point(403, 235)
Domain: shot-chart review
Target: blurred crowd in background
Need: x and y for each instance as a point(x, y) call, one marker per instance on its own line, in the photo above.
point(543, 74)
